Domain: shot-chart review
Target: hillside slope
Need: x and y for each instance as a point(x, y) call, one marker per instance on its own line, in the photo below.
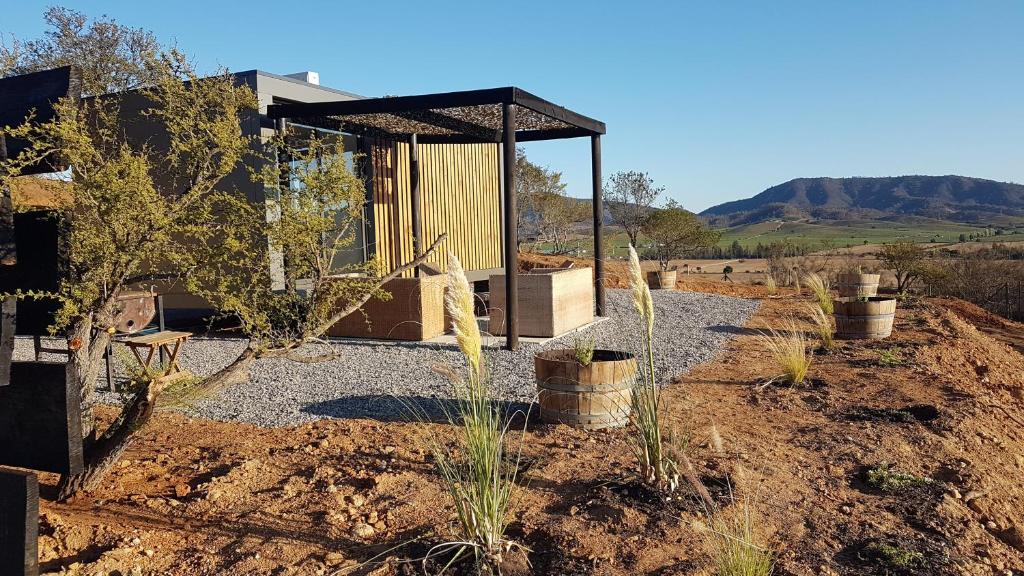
point(951, 198)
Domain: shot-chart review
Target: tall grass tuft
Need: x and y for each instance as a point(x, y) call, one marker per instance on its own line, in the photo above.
point(821, 289)
point(823, 327)
point(771, 285)
point(734, 542)
point(657, 467)
point(788, 349)
point(583, 349)
point(478, 473)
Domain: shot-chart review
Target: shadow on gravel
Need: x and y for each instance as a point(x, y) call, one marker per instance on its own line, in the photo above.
point(389, 408)
point(735, 330)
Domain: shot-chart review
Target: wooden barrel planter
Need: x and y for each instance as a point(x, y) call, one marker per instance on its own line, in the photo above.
point(857, 285)
point(590, 397)
point(864, 318)
point(661, 279)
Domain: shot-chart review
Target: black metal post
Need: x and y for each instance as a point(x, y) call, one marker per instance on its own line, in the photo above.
point(595, 174)
point(110, 369)
point(414, 194)
point(508, 124)
point(160, 320)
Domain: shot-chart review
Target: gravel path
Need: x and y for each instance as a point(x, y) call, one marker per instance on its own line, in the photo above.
point(378, 380)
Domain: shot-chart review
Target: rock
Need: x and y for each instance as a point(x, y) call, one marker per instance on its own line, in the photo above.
point(181, 490)
point(380, 526)
point(363, 530)
point(334, 558)
point(372, 518)
point(357, 500)
point(149, 552)
point(574, 510)
point(846, 510)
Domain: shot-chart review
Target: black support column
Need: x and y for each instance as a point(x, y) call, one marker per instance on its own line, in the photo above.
point(595, 171)
point(415, 203)
point(511, 231)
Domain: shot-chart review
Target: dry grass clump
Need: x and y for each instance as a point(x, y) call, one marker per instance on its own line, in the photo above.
point(478, 471)
point(788, 349)
point(657, 467)
point(823, 327)
point(771, 285)
point(735, 546)
point(821, 289)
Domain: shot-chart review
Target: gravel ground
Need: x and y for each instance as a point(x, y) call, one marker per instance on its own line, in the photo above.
point(379, 380)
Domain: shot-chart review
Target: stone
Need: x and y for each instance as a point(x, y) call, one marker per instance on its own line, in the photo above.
point(357, 500)
point(363, 530)
point(181, 490)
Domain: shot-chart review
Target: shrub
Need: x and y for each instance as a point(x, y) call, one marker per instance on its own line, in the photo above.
point(788, 349)
point(892, 356)
point(821, 289)
point(887, 478)
point(478, 472)
point(823, 327)
point(735, 548)
point(657, 468)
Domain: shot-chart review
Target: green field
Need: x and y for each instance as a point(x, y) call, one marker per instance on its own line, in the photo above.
point(823, 235)
point(847, 233)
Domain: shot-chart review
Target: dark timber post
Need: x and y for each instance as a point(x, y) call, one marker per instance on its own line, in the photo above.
point(595, 174)
point(19, 523)
point(414, 194)
point(508, 126)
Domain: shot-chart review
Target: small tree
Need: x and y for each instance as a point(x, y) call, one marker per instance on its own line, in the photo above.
point(630, 196)
point(675, 232)
point(537, 192)
point(557, 215)
point(906, 259)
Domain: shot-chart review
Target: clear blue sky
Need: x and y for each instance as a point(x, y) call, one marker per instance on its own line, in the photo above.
point(717, 100)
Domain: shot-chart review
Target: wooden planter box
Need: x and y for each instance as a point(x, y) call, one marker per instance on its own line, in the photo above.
point(552, 301)
point(414, 312)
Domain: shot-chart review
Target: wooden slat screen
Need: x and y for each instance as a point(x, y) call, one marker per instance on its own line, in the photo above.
point(459, 187)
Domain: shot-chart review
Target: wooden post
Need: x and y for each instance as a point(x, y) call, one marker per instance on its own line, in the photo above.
point(598, 206)
point(508, 125)
point(414, 193)
point(19, 523)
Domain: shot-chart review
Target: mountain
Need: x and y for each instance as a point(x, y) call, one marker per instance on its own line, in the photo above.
point(951, 198)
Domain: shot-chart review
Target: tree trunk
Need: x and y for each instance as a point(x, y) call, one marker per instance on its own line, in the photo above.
point(234, 373)
point(102, 455)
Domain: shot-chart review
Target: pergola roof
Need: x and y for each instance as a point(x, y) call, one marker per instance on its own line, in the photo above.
point(449, 117)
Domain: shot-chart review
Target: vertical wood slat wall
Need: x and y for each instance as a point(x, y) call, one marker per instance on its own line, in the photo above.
point(459, 194)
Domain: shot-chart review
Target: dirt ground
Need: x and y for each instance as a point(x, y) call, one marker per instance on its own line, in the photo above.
point(196, 497)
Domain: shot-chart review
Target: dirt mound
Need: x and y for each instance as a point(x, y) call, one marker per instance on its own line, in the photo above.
point(904, 457)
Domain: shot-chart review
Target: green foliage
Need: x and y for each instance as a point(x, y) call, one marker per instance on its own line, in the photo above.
point(630, 197)
point(135, 212)
point(545, 213)
point(110, 57)
point(887, 478)
point(583, 349)
point(894, 556)
point(907, 261)
point(892, 356)
point(675, 232)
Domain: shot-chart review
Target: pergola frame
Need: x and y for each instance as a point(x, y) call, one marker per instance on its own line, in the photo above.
point(496, 116)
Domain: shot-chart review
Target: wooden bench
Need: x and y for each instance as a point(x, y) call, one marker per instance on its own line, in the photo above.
point(169, 342)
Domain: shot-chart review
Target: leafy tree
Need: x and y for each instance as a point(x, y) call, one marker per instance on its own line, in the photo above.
point(314, 220)
point(630, 197)
point(675, 232)
point(537, 192)
point(126, 222)
point(110, 57)
point(906, 259)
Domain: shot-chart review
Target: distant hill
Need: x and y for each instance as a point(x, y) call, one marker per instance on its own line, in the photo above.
point(949, 198)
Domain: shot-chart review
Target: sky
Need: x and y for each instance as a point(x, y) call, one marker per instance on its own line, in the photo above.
point(716, 100)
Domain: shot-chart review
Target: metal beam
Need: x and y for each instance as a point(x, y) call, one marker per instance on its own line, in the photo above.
point(508, 122)
point(551, 110)
point(392, 104)
point(598, 206)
